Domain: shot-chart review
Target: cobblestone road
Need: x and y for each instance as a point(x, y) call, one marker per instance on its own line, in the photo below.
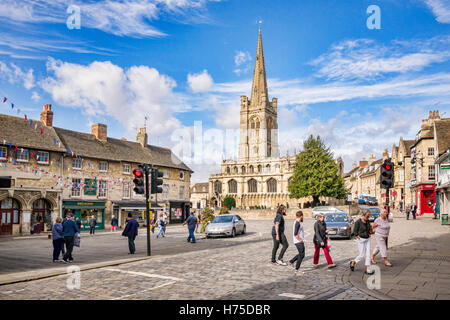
point(223, 268)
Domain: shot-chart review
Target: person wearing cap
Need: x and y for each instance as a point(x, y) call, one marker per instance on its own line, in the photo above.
point(70, 229)
point(131, 231)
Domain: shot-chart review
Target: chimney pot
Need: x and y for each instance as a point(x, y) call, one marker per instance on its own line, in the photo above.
point(47, 115)
point(99, 130)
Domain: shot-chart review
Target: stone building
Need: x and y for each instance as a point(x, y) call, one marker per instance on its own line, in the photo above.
point(423, 156)
point(259, 177)
point(442, 154)
point(400, 194)
point(55, 171)
point(200, 195)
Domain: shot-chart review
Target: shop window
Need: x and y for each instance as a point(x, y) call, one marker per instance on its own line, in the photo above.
point(22, 155)
point(126, 168)
point(103, 166)
point(77, 163)
point(76, 187)
point(42, 157)
point(3, 153)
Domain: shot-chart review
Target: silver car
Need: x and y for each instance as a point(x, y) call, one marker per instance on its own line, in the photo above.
point(324, 210)
point(226, 225)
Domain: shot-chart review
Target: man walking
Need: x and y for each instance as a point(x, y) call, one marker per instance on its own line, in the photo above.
point(92, 224)
point(414, 211)
point(278, 236)
point(70, 229)
point(408, 211)
point(299, 239)
point(191, 222)
point(131, 231)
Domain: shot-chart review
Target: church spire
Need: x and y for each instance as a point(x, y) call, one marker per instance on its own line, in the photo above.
point(259, 87)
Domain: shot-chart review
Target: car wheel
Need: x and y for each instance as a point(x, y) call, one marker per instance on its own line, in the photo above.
point(233, 233)
point(243, 230)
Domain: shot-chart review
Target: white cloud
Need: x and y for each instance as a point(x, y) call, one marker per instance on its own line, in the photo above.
point(364, 59)
point(128, 95)
point(441, 9)
point(242, 62)
point(35, 96)
point(123, 18)
point(200, 82)
point(15, 74)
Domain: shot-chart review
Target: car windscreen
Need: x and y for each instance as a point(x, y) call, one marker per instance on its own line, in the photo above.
point(222, 219)
point(336, 218)
point(375, 211)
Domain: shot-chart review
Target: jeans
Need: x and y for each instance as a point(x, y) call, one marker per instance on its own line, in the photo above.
point(69, 247)
point(299, 257)
point(160, 232)
point(191, 236)
point(58, 245)
point(276, 245)
point(326, 252)
point(414, 215)
point(131, 245)
point(407, 215)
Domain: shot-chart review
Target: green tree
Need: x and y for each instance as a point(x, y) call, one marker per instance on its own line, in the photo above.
point(229, 202)
point(316, 173)
point(207, 217)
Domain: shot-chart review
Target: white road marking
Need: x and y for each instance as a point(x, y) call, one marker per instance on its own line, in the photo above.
point(157, 287)
point(150, 275)
point(292, 295)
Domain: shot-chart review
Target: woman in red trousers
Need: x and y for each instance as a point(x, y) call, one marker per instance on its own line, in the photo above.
point(320, 241)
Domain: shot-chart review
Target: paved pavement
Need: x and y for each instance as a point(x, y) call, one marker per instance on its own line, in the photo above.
point(240, 268)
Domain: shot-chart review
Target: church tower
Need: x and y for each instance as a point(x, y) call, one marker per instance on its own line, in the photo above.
point(258, 117)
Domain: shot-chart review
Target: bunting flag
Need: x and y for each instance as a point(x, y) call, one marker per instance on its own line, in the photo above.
point(4, 99)
point(12, 105)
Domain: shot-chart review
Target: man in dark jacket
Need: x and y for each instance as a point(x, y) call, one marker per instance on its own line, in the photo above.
point(70, 231)
point(131, 231)
point(92, 224)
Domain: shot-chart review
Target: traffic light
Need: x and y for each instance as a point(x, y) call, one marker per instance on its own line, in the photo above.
point(156, 182)
point(139, 184)
point(387, 174)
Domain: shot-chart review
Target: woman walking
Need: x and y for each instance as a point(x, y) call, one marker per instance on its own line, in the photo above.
point(321, 241)
point(382, 228)
point(161, 225)
point(114, 223)
point(58, 239)
point(362, 232)
point(279, 237)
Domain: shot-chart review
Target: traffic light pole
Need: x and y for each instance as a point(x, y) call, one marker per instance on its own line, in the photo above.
point(387, 201)
point(147, 209)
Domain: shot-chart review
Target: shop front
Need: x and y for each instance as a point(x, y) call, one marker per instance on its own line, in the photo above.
point(178, 211)
point(121, 209)
point(83, 210)
point(426, 198)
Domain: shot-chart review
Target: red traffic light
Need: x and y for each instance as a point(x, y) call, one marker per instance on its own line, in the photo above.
point(388, 167)
point(137, 173)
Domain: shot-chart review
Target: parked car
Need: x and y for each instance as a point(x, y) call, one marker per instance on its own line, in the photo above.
point(375, 213)
point(372, 201)
point(339, 225)
point(363, 198)
point(226, 225)
point(324, 210)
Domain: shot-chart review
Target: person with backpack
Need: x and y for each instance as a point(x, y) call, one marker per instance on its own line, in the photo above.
point(299, 242)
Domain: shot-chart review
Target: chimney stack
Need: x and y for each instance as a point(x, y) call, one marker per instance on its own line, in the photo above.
point(142, 137)
point(47, 115)
point(100, 131)
point(354, 165)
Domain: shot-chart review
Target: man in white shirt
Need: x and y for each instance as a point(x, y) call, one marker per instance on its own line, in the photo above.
point(299, 239)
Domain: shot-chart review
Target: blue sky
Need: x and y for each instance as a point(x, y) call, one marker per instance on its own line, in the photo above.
point(181, 61)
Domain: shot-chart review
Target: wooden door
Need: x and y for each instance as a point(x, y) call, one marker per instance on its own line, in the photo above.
point(6, 222)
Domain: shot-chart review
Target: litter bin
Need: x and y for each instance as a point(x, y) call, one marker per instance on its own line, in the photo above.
point(444, 218)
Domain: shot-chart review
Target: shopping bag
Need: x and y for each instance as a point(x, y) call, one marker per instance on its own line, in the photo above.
point(76, 242)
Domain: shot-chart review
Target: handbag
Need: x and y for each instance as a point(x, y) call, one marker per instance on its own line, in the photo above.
point(76, 241)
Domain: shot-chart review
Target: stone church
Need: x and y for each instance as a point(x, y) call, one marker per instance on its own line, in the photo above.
point(259, 177)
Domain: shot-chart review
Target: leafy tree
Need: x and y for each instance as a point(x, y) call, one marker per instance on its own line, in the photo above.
point(229, 202)
point(316, 173)
point(207, 217)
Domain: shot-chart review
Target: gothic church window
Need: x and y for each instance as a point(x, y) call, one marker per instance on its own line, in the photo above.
point(232, 186)
point(252, 186)
point(271, 185)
